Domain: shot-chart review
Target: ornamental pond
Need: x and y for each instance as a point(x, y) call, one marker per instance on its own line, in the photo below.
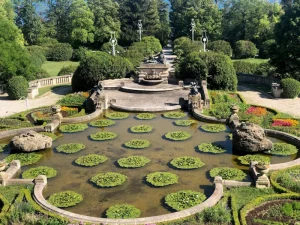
point(136, 191)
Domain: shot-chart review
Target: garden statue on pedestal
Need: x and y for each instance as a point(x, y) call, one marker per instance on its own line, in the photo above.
point(93, 101)
point(194, 97)
point(233, 120)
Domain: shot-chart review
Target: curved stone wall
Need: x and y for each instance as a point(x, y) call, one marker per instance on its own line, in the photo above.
point(114, 105)
point(10, 133)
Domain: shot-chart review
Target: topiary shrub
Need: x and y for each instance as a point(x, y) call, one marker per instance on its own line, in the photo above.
point(184, 199)
point(41, 170)
point(65, 199)
point(137, 143)
point(215, 128)
point(25, 158)
point(246, 159)
point(187, 162)
point(227, 173)
point(59, 52)
point(160, 179)
point(149, 45)
point(123, 211)
point(73, 128)
point(70, 148)
point(211, 148)
point(117, 115)
point(17, 87)
point(79, 54)
point(244, 49)
point(283, 149)
point(67, 70)
point(291, 88)
point(174, 115)
point(109, 179)
point(220, 46)
point(178, 135)
point(185, 122)
point(102, 123)
point(145, 116)
point(91, 160)
point(141, 129)
point(102, 136)
point(133, 161)
point(245, 67)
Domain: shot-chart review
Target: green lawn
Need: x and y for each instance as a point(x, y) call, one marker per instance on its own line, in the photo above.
point(44, 90)
point(54, 67)
point(251, 60)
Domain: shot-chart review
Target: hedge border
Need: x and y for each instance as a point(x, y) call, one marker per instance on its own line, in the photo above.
point(235, 212)
point(5, 207)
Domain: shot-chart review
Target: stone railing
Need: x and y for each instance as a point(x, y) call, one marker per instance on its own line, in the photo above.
point(50, 81)
point(256, 79)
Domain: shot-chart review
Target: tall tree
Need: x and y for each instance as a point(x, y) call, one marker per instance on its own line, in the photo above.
point(165, 30)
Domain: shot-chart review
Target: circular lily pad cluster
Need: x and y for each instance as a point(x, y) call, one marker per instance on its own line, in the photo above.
point(184, 199)
point(102, 136)
point(117, 115)
point(178, 135)
point(184, 122)
point(133, 161)
point(137, 143)
point(141, 129)
point(283, 149)
point(65, 199)
point(246, 159)
point(174, 115)
point(70, 148)
point(123, 211)
point(72, 128)
point(102, 123)
point(90, 160)
point(227, 173)
point(25, 158)
point(160, 179)
point(41, 170)
point(186, 162)
point(215, 128)
point(109, 179)
point(211, 148)
point(145, 116)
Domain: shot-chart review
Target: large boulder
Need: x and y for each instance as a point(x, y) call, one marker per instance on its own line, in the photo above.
point(249, 137)
point(31, 141)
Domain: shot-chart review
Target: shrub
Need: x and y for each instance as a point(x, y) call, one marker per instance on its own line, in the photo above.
point(47, 41)
point(134, 56)
point(184, 46)
point(37, 55)
point(60, 52)
point(76, 99)
point(291, 88)
point(220, 46)
point(117, 115)
point(67, 70)
point(160, 179)
point(185, 122)
point(73, 128)
point(17, 87)
point(65, 199)
point(246, 159)
point(283, 149)
point(266, 48)
point(41, 73)
point(25, 158)
point(41, 170)
point(186, 162)
point(79, 54)
point(211, 148)
point(102, 123)
point(147, 46)
point(178, 135)
point(141, 129)
point(216, 214)
point(215, 128)
point(102, 136)
point(137, 143)
point(106, 47)
point(145, 116)
point(244, 49)
point(123, 211)
point(184, 199)
point(245, 67)
point(70, 148)
point(227, 173)
point(109, 179)
point(90, 160)
point(133, 161)
point(174, 115)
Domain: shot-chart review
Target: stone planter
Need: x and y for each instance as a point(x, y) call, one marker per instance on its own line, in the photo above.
point(262, 169)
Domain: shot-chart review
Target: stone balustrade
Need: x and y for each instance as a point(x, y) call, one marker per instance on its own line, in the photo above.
point(50, 81)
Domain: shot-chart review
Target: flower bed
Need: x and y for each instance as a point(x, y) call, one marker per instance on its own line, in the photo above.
point(102, 136)
point(39, 117)
point(284, 123)
point(211, 148)
point(117, 115)
point(65, 199)
point(215, 128)
point(137, 143)
point(141, 129)
point(25, 158)
point(123, 211)
point(178, 135)
point(184, 199)
point(160, 179)
point(145, 116)
point(257, 111)
point(102, 123)
point(72, 128)
point(133, 161)
point(283, 149)
point(109, 179)
point(227, 173)
point(246, 159)
point(68, 111)
point(76, 99)
point(70, 148)
point(41, 170)
point(174, 115)
point(185, 122)
point(186, 162)
point(91, 160)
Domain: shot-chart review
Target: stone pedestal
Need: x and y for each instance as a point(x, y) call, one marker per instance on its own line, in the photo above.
point(194, 102)
point(276, 90)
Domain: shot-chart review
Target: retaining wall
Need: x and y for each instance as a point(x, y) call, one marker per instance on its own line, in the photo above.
point(82, 118)
point(256, 79)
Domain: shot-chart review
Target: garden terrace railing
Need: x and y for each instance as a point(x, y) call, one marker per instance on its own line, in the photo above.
point(50, 81)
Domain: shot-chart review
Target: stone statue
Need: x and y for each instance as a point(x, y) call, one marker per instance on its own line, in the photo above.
point(193, 88)
point(233, 120)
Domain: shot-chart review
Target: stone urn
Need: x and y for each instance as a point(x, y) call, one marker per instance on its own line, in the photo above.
point(262, 168)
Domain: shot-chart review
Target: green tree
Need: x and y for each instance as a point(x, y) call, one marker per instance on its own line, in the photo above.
point(165, 30)
point(220, 46)
point(147, 46)
point(17, 87)
point(6, 10)
point(244, 49)
point(183, 46)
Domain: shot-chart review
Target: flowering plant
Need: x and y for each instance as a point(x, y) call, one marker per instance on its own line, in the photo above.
point(258, 111)
point(284, 122)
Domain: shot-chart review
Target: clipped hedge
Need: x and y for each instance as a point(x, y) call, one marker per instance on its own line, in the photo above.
point(283, 149)
point(227, 173)
point(185, 122)
point(246, 159)
point(245, 67)
point(244, 49)
point(17, 87)
point(102, 123)
point(65, 199)
point(141, 129)
point(41, 170)
point(211, 148)
point(72, 128)
point(133, 161)
point(137, 143)
point(174, 115)
point(102, 136)
point(109, 179)
point(186, 162)
point(235, 211)
point(70, 148)
point(178, 135)
point(91, 160)
point(123, 211)
point(291, 88)
point(215, 128)
point(25, 158)
point(160, 179)
point(145, 116)
point(117, 115)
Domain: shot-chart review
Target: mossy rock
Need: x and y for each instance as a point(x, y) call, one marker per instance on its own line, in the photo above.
point(145, 116)
point(178, 135)
point(70, 148)
point(137, 143)
point(25, 158)
point(160, 179)
point(211, 148)
point(117, 115)
point(91, 160)
point(185, 123)
point(73, 128)
point(103, 136)
point(102, 123)
point(227, 173)
point(187, 163)
point(41, 170)
point(141, 129)
point(123, 211)
point(65, 199)
point(133, 161)
point(215, 128)
point(53, 136)
point(246, 159)
point(174, 115)
point(283, 149)
point(184, 199)
point(109, 179)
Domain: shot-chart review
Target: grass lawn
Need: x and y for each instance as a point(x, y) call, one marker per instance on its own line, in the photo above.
point(251, 60)
point(43, 90)
point(53, 67)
